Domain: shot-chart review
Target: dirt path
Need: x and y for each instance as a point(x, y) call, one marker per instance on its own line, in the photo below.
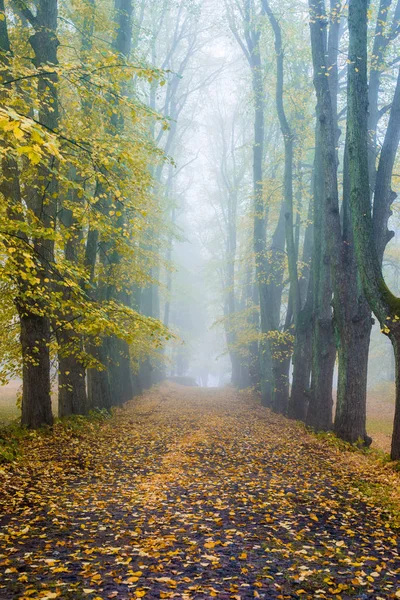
point(192, 494)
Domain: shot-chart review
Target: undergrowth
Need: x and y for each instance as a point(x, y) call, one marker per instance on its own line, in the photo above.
point(12, 435)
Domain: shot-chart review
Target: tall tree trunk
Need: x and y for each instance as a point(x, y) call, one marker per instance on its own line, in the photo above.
point(319, 414)
point(383, 35)
point(117, 350)
point(230, 303)
point(35, 328)
point(302, 361)
point(291, 247)
point(351, 317)
point(98, 382)
point(259, 234)
point(250, 371)
point(72, 396)
point(146, 308)
point(278, 350)
point(384, 304)
point(353, 325)
point(36, 399)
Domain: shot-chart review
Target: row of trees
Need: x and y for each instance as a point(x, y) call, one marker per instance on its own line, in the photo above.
point(95, 100)
point(91, 96)
point(320, 203)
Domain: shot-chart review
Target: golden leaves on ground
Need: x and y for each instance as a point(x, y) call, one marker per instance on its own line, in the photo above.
point(191, 494)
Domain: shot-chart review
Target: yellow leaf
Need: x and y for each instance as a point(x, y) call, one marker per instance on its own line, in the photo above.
point(24, 530)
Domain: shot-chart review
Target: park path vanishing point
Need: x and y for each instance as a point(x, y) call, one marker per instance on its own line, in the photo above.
point(192, 493)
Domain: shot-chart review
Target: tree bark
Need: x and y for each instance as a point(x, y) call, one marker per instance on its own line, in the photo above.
point(319, 413)
point(72, 396)
point(351, 316)
point(259, 226)
point(36, 399)
point(98, 383)
point(353, 325)
point(302, 361)
point(383, 35)
point(115, 351)
point(35, 328)
point(383, 303)
point(276, 352)
point(384, 195)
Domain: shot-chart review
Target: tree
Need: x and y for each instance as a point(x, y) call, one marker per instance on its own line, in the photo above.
point(76, 191)
point(367, 238)
point(35, 325)
point(300, 307)
point(229, 167)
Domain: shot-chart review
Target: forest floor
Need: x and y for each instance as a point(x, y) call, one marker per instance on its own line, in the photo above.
point(380, 410)
point(196, 493)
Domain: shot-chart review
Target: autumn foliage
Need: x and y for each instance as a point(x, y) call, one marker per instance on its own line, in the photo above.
point(196, 494)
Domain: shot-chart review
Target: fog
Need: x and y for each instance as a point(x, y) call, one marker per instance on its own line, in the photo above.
point(221, 109)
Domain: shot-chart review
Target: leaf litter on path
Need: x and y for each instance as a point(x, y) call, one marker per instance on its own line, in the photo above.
point(192, 493)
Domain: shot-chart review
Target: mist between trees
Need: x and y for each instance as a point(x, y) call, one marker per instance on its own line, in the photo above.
point(201, 189)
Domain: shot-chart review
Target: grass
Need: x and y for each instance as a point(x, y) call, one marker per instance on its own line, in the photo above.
point(8, 402)
point(380, 414)
point(9, 411)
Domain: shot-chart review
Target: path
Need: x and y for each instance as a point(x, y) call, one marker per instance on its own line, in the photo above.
point(192, 494)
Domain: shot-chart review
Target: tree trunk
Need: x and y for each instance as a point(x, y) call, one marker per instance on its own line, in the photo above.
point(395, 449)
point(120, 374)
point(302, 362)
point(383, 35)
point(35, 328)
point(236, 370)
point(280, 373)
point(98, 384)
point(319, 414)
point(251, 371)
point(115, 352)
point(36, 399)
point(384, 304)
point(350, 418)
point(259, 236)
point(72, 397)
point(302, 350)
point(384, 195)
point(352, 317)
point(276, 375)
point(146, 308)
point(353, 324)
